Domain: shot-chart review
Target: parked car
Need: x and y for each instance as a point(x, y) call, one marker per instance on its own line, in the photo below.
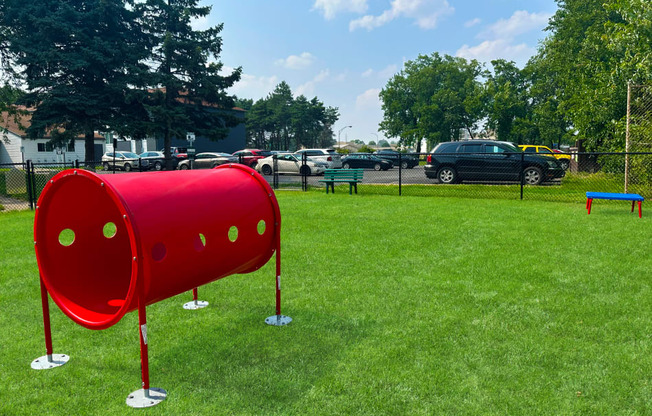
point(407, 161)
point(123, 160)
point(250, 157)
point(330, 156)
point(489, 160)
point(152, 160)
point(564, 159)
point(365, 160)
point(290, 163)
point(208, 160)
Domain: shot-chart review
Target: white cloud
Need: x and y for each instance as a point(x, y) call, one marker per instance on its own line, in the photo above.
point(496, 49)
point(308, 88)
point(254, 87)
point(302, 61)
point(473, 22)
point(499, 40)
point(330, 8)
point(200, 23)
point(383, 74)
point(368, 99)
point(520, 22)
point(426, 13)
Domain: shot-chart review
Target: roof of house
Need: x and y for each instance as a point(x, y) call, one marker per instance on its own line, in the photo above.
point(18, 124)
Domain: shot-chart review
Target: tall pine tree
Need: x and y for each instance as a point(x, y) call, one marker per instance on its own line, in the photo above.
point(77, 59)
point(187, 92)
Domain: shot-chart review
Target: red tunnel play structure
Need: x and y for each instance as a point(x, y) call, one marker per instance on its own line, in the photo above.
point(110, 244)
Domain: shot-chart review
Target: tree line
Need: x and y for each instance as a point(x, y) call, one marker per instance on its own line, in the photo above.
point(280, 121)
point(575, 87)
point(134, 67)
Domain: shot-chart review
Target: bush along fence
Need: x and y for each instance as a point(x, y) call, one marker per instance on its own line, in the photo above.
point(480, 176)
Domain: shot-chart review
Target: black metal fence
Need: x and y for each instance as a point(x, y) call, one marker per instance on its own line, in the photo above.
point(410, 175)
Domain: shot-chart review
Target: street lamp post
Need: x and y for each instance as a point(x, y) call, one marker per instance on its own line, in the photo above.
point(339, 133)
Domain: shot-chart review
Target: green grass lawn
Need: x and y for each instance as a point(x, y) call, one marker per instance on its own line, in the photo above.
point(401, 306)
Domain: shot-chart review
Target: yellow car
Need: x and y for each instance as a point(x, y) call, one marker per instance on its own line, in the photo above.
point(564, 159)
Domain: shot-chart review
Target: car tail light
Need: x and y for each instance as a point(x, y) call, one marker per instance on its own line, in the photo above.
point(429, 159)
point(330, 159)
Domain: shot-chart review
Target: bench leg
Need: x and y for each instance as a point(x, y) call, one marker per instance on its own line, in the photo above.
point(588, 204)
point(350, 189)
point(640, 212)
point(356, 188)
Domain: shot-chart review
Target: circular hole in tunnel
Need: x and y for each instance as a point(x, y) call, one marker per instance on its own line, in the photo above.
point(199, 242)
point(261, 227)
point(233, 234)
point(109, 230)
point(66, 237)
point(159, 251)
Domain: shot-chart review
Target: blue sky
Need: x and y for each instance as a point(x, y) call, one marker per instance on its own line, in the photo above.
point(344, 51)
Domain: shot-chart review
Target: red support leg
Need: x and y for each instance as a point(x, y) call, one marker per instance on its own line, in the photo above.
point(633, 206)
point(194, 295)
point(144, 358)
point(46, 320)
point(145, 397)
point(640, 211)
point(589, 203)
point(50, 360)
point(278, 319)
point(278, 279)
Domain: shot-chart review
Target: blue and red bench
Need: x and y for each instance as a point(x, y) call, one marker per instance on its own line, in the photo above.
point(590, 196)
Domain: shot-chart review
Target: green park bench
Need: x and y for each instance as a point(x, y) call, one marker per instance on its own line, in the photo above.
point(350, 176)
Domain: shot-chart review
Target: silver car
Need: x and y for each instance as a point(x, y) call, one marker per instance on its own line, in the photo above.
point(328, 156)
point(208, 160)
point(123, 160)
point(289, 163)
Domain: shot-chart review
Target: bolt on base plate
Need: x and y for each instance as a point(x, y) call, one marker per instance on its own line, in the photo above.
point(146, 398)
point(278, 320)
point(50, 361)
point(192, 305)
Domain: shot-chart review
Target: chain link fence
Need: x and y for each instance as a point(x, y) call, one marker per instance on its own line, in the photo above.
point(488, 177)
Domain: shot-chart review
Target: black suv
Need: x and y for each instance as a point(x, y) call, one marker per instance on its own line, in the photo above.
point(489, 160)
point(407, 160)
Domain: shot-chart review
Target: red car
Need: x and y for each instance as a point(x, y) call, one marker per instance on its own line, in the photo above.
point(250, 157)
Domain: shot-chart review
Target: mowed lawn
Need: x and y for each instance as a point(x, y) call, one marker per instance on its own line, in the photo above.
point(401, 306)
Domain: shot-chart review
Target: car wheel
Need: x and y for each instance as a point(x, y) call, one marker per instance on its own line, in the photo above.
point(447, 175)
point(183, 167)
point(377, 166)
point(532, 175)
point(105, 166)
point(266, 169)
point(404, 165)
point(158, 166)
point(346, 166)
point(305, 170)
point(565, 163)
point(127, 167)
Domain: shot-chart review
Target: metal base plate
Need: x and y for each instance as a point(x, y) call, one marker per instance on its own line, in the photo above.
point(278, 320)
point(56, 360)
point(192, 305)
point(142, 398)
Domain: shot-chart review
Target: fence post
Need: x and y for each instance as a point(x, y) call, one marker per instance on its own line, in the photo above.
point(28, 184)
point(400, 173)
point(522, 176)
point(275, 171)
point(77, 163)
point(629, 96)
point(304, 172)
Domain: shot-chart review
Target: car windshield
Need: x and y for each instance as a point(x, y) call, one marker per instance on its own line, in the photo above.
point(130, 155)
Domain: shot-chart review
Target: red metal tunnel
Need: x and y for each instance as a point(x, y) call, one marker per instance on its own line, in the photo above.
point(104, 242)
